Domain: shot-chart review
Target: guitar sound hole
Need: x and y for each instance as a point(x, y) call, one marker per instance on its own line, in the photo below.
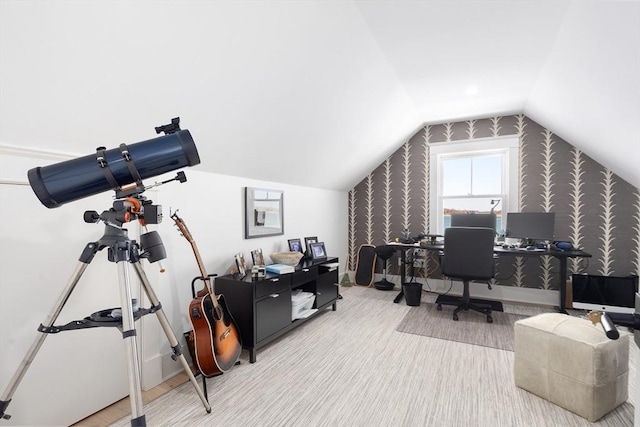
point(217, 313)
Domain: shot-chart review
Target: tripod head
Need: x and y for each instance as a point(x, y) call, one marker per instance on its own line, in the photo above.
point(126, 210)
point(130, 204)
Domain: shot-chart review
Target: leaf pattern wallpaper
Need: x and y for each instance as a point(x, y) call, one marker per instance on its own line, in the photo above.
point(595, 209)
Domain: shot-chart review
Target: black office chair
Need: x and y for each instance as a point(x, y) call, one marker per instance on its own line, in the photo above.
point(468, 255)
point(384, 253)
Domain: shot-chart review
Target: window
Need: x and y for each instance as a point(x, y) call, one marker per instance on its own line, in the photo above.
point(476, 176)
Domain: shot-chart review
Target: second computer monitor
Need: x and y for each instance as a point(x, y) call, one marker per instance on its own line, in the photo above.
point(531, 225)
point(474, 220)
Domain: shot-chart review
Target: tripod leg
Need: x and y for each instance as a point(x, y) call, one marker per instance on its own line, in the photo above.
point(131, 346)
point(37, 343)
point(177, 352)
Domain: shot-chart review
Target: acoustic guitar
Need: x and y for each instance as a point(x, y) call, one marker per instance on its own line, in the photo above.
point(217, 342)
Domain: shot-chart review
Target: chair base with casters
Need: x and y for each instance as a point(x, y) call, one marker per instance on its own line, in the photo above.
point(464, 304)
point(384, 253)
point(384, 285)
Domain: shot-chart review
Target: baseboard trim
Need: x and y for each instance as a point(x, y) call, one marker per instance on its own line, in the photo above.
point(159, 369)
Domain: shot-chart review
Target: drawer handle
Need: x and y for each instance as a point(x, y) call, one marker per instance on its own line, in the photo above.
point(274, 295)
point(306, 270)
point(277, 279)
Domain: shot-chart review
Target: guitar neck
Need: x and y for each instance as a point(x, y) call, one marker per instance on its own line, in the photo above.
point(203, 272)
point(187, 235)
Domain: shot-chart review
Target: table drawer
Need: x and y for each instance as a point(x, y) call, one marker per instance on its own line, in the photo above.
point(304, 275)
point(272, 285)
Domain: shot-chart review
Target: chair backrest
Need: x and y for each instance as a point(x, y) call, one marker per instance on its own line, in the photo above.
point(365, 265)
point(468, 253)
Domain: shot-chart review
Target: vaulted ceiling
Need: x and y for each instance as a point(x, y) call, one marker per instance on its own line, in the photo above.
point(316, 93)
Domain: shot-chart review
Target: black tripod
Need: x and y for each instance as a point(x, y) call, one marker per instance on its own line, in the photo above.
point(121, 250)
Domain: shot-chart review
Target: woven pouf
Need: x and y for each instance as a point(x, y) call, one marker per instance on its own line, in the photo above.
point(570, 362)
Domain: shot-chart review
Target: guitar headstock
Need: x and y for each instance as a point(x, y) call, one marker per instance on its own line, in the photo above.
point(181, 226)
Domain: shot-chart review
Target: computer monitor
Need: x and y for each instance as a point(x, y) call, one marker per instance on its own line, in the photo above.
point(473, 220)
point(604, 293)
point(531, 225)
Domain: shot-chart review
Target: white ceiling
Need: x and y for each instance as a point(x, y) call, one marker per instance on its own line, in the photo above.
point(316, 93)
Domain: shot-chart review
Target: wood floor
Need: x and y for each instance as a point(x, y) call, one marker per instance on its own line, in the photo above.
point(122, 408)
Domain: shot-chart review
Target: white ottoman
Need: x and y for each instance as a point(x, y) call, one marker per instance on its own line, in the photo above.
point(570, 362)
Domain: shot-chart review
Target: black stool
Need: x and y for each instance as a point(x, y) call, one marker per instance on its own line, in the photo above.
point(384, 253)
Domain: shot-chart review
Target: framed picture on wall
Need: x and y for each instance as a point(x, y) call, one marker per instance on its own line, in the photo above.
point(263, 212)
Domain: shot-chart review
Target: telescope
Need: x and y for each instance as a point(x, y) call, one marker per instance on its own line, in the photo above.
point(116, 169)
point(121, 169)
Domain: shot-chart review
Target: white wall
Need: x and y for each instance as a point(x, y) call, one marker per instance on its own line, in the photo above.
point(76, 373)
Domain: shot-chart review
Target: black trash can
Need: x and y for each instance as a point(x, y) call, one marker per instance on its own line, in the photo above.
point(412, 293)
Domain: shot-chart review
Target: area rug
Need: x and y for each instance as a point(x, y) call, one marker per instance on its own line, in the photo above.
point(472, 328)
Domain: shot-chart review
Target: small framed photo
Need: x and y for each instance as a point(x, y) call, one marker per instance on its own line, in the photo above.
point(240, 264)
point(307, 242)
point(318, 250)
point(295, 245)
point(257, 257)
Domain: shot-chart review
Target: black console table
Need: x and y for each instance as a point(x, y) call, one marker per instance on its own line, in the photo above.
point(262, 308)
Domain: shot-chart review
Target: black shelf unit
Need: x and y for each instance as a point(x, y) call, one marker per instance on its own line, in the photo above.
point(262, 307)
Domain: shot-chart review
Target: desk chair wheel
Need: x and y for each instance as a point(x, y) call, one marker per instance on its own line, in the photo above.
point(439, 307)
point(455, 317)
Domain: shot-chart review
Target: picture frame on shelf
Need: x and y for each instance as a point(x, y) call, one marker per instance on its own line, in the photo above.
point(240, 264)
point(257, 257)
point(295, 245)
point(263, 210)
point(307, 242)
point(318, 251)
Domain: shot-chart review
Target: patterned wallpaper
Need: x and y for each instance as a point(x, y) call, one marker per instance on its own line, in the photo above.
point(595, 209)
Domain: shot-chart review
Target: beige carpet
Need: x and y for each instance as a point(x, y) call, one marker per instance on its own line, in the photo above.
point(352, 368)
point(471, 328)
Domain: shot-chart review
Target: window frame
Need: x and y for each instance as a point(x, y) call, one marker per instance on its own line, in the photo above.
point(507, 146)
